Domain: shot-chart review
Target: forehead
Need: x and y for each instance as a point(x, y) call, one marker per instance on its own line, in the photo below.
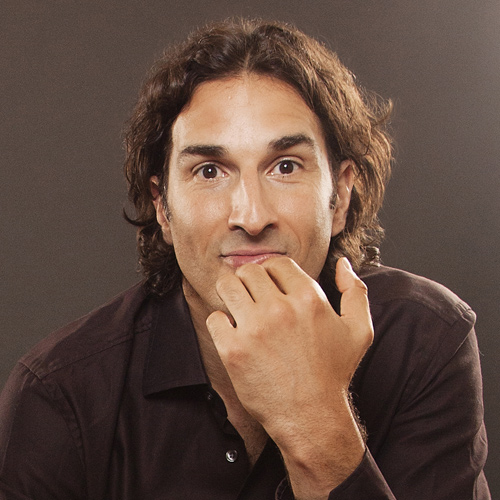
point(248, 110)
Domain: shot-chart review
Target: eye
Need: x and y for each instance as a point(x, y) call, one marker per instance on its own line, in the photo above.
point(209, 171)
point(285, 167)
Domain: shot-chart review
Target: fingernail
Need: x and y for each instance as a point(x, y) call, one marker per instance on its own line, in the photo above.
point(346, 264)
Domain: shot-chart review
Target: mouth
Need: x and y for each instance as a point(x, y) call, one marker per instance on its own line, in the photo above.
point(240, 257)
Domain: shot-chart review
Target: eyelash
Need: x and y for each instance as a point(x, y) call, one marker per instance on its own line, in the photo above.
point(284, 161)
point(200, 171)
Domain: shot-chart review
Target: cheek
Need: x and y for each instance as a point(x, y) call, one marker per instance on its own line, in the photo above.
point(194, 220)
point(315, 225)
point(315, 214)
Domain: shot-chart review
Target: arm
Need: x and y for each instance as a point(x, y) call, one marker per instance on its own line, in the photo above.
point(435, 446)
point(291, 359)
point(426, 442)
point(38, 456)
point(419, 392)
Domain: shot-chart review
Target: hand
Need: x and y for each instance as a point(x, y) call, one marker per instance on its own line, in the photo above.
point(291, 358)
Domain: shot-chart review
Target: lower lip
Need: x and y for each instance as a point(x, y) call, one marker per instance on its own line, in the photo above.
point(240, 260)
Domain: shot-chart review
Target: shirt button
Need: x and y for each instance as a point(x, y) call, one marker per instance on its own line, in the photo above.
point(231, 456)
point(209, 396)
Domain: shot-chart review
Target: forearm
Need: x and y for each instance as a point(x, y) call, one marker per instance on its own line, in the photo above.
point(324, 451)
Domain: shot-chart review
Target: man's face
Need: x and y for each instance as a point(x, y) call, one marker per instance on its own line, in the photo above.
point(248, 179)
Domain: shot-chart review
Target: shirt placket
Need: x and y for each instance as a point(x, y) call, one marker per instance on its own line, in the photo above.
point(235, 454)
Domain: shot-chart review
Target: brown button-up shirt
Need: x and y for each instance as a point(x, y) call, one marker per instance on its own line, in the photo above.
point(118, 406)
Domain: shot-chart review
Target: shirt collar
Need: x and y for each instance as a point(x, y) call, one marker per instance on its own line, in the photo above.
point(173, 358)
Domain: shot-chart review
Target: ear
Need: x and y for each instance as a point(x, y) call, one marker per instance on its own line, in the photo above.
point(345, 183)
point(161, 216)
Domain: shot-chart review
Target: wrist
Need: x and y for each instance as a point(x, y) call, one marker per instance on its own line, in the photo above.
point(321, 454)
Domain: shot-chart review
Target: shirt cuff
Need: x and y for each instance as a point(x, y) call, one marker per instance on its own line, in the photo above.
point(365, 483)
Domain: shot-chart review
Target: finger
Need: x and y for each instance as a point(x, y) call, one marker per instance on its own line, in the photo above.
point(354, 304)
point(219, 326)
point(286, 274)
point(257, 281)
point(234, 294)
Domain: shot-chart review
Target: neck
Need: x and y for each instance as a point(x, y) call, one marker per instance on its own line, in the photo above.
point(250, 430)
point(213, 364)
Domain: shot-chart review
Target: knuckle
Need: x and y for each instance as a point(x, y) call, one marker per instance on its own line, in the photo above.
point(279, 263)
point(234, 356)
point(280, 311)
point(367, 339)
point(247, 270)
point(371, 334)
point(227, 287)
point(223, 282)
point(308, 296)
point(213, 321)
point(361, 285)
point(311, 301)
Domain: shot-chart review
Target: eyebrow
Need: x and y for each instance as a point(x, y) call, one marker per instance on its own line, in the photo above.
point(203, 150)
point(289, 141)
point(281, 144)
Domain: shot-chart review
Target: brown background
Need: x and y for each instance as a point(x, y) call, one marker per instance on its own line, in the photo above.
point(69, 74)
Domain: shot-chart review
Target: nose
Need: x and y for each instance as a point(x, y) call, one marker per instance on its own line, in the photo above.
point(252, 206)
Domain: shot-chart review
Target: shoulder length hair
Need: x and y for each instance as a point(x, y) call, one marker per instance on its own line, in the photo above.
point(353, 124)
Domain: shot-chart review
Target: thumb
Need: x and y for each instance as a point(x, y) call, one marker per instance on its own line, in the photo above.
point(354, 305)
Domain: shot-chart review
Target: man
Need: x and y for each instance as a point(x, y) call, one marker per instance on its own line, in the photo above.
point(246, 364)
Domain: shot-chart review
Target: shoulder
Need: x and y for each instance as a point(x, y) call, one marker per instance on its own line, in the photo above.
point(424, 342)
point(394, 289)
point(418, 388)
point(103, 330)
point(415, 318)
point(61, 401)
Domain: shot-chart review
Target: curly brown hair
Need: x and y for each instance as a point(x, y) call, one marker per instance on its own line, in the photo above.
point(353, 123)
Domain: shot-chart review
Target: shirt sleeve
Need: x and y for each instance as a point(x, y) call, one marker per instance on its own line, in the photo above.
point(365, 483)
point(39, 458)
point(436, 446)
